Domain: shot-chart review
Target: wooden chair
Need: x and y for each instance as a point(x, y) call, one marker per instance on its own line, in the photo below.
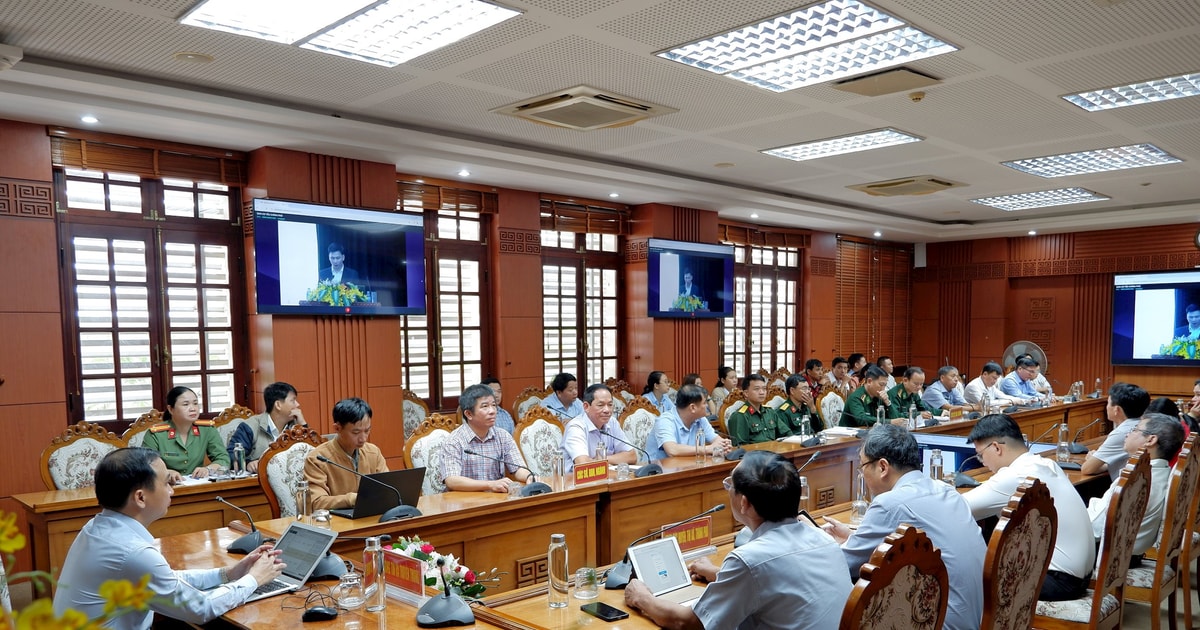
point(415, 412)
point(903, 586)
point(1104, 604)
point(779, 378)
point(281, 467)
point(424, 448)
point(529, 397)
point(1157, 579)
point(70, 460)
point(136, 432)
point(230, 419)
point(775, 396)
point(718, 396)
point(619, 391)
point(1017, 557)
point(539, 435)
point(830, 405)
point(637, 421)
point(733, 401)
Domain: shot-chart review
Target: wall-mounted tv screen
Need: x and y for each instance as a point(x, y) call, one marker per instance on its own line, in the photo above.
point(327, 260)
point(689, 279)
point(1156, 318)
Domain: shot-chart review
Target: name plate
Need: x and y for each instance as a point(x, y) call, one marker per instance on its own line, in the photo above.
point(956, 413)
point(405, 577)
point(692, 535)
point(591, 471)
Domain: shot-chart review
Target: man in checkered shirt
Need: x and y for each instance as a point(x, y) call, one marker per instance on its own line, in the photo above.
point(474, 473)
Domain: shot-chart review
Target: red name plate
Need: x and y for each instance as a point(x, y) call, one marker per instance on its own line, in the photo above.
point(956, 413)
point(404, 572)
point(591, 471)
point(692, 535)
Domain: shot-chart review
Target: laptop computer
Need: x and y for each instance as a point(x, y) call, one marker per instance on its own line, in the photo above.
point(659, 564)
point(375, 499)
point(301, 547)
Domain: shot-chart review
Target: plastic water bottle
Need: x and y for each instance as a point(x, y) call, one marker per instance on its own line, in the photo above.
point(1064, 443)
point(601, 451)
point(302, 506)
point(1096, 394)
point(879, 414)
point(935, 464)
point(805, 427)
point(985, 403)
point(700, 447)
point(239, 460)
point(912, 416)
point(556, 568)
point(375, 585)
point(858, 507)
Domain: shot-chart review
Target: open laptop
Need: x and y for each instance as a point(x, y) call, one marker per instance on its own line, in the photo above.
point(374, 499)
point(301, 547)
point(659, 564)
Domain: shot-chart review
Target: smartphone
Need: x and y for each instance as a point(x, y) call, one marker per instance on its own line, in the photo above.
point(604, 611)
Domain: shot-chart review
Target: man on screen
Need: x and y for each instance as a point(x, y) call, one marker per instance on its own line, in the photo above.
point(1191, 331)
point(689, 289)
point(337, 271)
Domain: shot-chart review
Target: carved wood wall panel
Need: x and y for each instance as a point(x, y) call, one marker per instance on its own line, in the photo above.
point(519, 241)
point(826, 267)
point(20, 198)
point(637, 250)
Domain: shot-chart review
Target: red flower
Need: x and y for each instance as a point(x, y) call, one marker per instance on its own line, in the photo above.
point(469, 578)
point(427, 548)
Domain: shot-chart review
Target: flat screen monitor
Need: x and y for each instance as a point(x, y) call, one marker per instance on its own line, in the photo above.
point(327, 260)
point(689, 280)
point(1156, 319)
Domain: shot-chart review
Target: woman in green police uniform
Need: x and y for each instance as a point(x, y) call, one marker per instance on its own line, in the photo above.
point(184, 440)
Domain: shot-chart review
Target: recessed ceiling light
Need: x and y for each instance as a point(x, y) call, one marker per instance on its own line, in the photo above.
point(753, 215)
point(89, 119)
point(385, 33)
point(878, 233)
point(723, 165)
point(1163, 89)
point(614, 195)
point(815, 44)
point(419, 181)
point(1097, 161)
point(1033, 232)
point(192, 57)
point(1041, 199)
point(875, 139)
point(464, 173)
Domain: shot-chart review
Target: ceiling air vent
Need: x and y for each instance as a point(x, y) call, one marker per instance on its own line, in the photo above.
point(584, 108)
point(917, 185)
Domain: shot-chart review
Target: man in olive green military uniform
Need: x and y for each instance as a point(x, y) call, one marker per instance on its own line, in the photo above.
point(908, 394)
point(862, 404)
point(753, 421)
point(799, 404)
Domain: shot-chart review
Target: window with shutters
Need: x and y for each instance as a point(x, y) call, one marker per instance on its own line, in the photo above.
point(762, 333)
point(873, 299)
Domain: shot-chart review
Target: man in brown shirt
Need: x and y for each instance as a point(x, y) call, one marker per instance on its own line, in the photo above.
point(329, 486)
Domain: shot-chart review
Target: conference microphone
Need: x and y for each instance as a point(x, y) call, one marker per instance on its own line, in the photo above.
point(810, 460)
point(650, 468)
point(250, 541)
point(445, 610)
point(962, 479)
point(530, 489)
point(1075, 447)
point(1052, 429)
point(394, 514)
point(621, 572)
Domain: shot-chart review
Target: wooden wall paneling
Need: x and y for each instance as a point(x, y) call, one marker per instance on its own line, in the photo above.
point(341, 359)
point(23, 558)
point(28, 428)
point(31, 362)
point(26, 153)
point(280, 174)
point(30, 246)
point(515, 246)
point(925, 324)
point(988, 297)
point(383, 351)
point(294, 347)
point(26, 199)
point(1092, 341)
point(1172, 382)
point(1166, 239)
point(1041, 311)
point(1047, 247)
point(387, 422)
point(954, 325)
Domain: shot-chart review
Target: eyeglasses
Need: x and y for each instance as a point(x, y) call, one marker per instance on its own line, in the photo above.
point(727, 483)
point(863, 465)
point(979, 452)
point(1140, 430)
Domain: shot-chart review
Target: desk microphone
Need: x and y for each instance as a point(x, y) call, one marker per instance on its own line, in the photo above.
point(1075, 447)
point(394, 514)
point(962, 479)
point(1052, 429)
point(810, 460)
point(250, 541)
point(622, 572)
point(445, 610)
point(531, 489)
point(650, 468)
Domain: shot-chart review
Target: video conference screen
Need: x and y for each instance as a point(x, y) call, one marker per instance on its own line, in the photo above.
point(689, 280)
point(1156, 318)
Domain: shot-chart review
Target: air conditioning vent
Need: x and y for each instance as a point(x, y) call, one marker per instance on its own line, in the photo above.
point(584, 108)
point(905, 186)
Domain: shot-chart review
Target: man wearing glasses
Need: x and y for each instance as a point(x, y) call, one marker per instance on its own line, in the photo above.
point(1019, 384)
point(1000, 447)
point(1126, 404)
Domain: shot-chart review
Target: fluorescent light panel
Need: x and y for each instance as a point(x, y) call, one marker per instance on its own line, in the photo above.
point(864, 141)
point(1041, 199)
point(819, 43)
point(1153, 91)
point(385, 33)
point(1097, 161)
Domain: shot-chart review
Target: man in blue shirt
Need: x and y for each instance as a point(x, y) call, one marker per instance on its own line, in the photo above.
point(504, 420)
point(564, 402)
point(675, 431)
point(944, 394)
point(1019, 383)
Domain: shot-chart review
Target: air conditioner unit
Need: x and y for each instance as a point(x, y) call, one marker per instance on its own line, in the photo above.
point(916, 185)
point(584, 108)
point(9, 56)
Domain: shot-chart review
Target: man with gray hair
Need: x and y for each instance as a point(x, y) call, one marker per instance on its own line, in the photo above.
point(475, 473)
point(890, 462)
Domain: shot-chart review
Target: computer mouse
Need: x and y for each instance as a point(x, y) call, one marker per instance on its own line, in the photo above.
point(319, 613)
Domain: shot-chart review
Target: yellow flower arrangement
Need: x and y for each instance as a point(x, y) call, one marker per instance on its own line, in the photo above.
point(335, 294)
point(120, 596)
point(1180, 347)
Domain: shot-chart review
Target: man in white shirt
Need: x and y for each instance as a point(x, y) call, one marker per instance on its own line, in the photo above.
point(1001, 448)
point(885, 363)
point(1126, 404)
point(1162, 437)
point(584, 432)
point(838, 376)
point(132, 489)
point(987, 382)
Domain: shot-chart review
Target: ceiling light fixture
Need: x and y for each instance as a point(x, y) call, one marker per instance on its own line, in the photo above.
point(464, 173)
point(188, 56)
point(1041, 199)
point(822, 42)
point(1097, 161)
point(89, 119)
point(875, 139)
point(385, 33)
point(1153, 91)
point(614, 195)
point(1033, 232)
point(878, 233)
point(753, 215)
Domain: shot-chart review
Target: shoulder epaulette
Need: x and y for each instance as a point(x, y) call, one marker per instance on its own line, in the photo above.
point(205, 423)
point(785, 406)
point(159, 428)
point(741, 406)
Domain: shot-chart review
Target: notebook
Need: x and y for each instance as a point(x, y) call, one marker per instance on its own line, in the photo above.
point(301, 547)
point(659, 564)
point(374, 499)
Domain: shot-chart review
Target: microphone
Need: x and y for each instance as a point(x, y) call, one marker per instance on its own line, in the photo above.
point(445, 610)
point(394, 514)
point(250, 541)
point(963, 480)
point(1052, 429)
point(650, 468)
point(622, 572)
point(1075, 447)
point(531, 489)
point(810, 460)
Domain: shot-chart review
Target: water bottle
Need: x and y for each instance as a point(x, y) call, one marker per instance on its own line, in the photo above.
point(805, 427)
point(985, 403)
point(601, 451)
point(700, 451)
point(858, 507)
point(912, 416)
point(558, 472)
point(1064, 443)
point(302, 506)
point(879, 414)
point(556, 568)
point(375, 586)
point(1096, 394)
point(239, 460)
point(935, 464)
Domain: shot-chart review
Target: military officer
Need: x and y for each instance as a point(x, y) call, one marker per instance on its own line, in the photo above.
point(862, 404)
point(753, 421)
point(800, 403)
point(183, 439)
point(908, 393)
